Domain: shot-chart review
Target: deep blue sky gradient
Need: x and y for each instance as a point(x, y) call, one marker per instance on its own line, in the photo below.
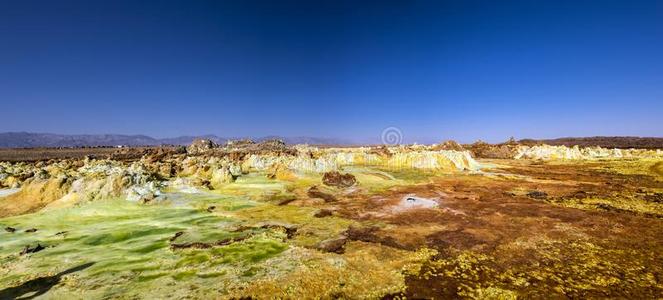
point(461, 70)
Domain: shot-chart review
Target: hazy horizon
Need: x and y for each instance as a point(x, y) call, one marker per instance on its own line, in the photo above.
point(322, 139)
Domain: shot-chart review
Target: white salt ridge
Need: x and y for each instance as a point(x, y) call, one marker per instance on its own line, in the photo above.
point(547, 152)
point(7, 192)
point(334, 159)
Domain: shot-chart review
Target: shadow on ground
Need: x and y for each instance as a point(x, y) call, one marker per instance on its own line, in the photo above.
point(39, 286)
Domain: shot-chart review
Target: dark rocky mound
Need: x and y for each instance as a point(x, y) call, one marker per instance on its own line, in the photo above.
point(449, 145)
point(200, 146)
point(482, 149)
point(337, 179)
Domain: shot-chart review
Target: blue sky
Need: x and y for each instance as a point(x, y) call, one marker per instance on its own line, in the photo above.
point(437, 70)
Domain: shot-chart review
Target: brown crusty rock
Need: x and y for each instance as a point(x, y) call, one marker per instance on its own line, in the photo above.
point(337, 179)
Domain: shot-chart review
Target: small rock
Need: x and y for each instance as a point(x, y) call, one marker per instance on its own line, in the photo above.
point(240, 143)
point(201, 146)
point(537, 195)
point(381, 151)
point(580, 194)
point(10, 229)
point(31, 230)
point(290, 231)
point(315, 192)
point(656, 198)
point(207, 184)
point(286, 200)
point(323, 213)
point(339, 180)
point(273, 145)
point(449, 145)
point(336, 245)
point(177, 234)
point(34, 249)
point(147, 198)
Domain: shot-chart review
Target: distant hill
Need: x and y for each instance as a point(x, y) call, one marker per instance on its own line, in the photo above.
point(603, 141)
point(308, 140)
point(31, 140)
point(186, 140)
point(34, 140)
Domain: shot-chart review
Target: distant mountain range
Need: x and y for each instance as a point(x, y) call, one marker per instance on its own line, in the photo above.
point(603, 141)
point(33, 140)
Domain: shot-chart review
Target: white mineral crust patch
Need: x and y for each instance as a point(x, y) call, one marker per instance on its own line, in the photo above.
point(7, 192)
point(413, 202)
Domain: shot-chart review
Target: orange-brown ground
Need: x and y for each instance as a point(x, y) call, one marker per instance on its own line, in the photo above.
point(512, 233)
point(519, 228)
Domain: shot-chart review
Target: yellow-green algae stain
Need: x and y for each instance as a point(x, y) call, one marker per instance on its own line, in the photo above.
point(129, 244)
point(130, 248)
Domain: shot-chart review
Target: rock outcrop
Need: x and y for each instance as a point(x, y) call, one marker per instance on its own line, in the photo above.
point(337, 179)
point(546, 152)
point(201, 146)
point(448, 145)
point(143, 174)
point(482, 149)
point(311, 159)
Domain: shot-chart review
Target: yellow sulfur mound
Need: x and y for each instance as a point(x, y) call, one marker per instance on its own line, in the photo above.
point(34, 196)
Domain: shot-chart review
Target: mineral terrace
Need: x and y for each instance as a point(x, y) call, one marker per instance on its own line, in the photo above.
point(267, 220)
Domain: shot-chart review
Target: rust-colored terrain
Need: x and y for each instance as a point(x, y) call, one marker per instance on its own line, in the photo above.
point(578, 230)
point(268, 220)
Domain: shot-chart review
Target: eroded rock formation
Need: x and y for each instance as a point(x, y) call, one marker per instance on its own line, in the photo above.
point(547, 152)
point(142, 176)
